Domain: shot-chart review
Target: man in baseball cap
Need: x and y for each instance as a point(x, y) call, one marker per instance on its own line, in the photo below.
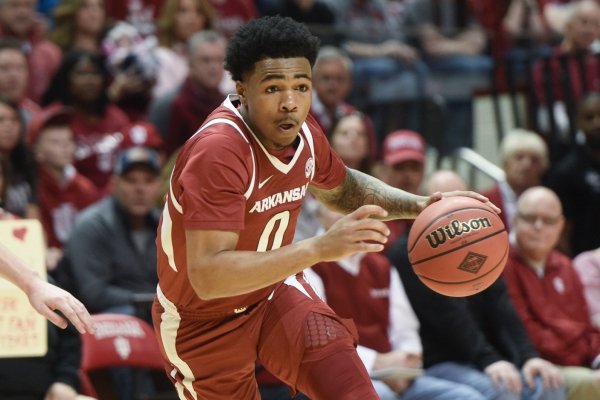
point(112, 249)
point(137, 157)
point(111, 253)
point(403, 167)
point(404, 160)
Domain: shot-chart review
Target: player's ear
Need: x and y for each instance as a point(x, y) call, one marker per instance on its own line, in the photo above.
point(240, 88)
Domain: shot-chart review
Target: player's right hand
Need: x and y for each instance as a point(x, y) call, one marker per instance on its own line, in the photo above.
point(354, 233)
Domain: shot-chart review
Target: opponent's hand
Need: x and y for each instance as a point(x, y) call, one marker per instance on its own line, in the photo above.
point(354, 233)
point(437, 196)
point(505, 373)
point(60, 391)
point(46, 298)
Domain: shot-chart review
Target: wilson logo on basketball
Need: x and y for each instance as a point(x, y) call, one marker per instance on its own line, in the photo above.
point(456, 228)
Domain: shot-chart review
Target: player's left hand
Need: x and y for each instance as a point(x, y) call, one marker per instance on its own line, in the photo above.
point(46, 298)
point(437, 196)
point(549, 372)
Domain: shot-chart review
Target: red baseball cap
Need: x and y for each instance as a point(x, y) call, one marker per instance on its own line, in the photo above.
point(403, 145)
point(56, 114)
point(141, 134)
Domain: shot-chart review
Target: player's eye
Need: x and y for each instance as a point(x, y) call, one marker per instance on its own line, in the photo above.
point(271, 89)
point(303, 88)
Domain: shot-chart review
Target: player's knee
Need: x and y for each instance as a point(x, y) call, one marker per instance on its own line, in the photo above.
point(321, 330)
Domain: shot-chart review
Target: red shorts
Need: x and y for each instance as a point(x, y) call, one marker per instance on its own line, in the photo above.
point(215, 359)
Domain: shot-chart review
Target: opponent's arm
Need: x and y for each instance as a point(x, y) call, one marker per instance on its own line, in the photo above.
point(43, 296)
point(216, 269)
point(359, 189)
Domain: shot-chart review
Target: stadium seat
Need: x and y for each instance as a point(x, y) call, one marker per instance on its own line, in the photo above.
point(121, 341)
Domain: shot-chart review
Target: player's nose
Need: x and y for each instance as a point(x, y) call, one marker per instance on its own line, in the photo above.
point(288, 101)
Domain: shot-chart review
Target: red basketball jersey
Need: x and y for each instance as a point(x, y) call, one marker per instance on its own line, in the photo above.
point(225, 179)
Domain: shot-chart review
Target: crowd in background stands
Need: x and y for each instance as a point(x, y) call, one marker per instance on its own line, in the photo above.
point(97, 96)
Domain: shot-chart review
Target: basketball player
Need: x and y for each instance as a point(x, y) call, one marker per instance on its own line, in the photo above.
point(43, 296)
point(231, 290)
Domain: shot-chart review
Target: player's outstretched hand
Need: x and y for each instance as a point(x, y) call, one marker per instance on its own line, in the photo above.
point(47, 298)
point(354, 233)
point(467, 193)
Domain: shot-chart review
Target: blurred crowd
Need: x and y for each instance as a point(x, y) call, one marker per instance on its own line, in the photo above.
point(97, 96)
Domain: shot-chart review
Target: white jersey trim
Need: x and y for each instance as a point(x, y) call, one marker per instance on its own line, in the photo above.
point(166, 239)
point(176, 204)
point(311, 146)
point(239, 130)
point(169, 325)
point(293, 281)
point(277, 163)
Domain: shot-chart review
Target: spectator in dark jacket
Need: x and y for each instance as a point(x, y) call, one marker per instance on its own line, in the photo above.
point(111, 254)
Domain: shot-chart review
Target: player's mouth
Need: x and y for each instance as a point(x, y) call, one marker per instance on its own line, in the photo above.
point(287, 126)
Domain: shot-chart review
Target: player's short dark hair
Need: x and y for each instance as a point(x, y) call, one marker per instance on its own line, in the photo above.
point(269, 37)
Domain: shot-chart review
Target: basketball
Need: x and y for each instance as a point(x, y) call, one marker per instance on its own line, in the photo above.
point(458, 246)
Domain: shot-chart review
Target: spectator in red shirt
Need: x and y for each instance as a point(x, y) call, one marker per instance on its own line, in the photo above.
point(62, 191)
point(200, 93)
point(14, 76)
point(142, 134)
point(18, 19)
point(81, 83)
point(233, 14)
point(525, 160)
point(403, 167)
point(139, 13)
point(134, 65)
point(582, 29)
point(332, 82)
point(548, 295)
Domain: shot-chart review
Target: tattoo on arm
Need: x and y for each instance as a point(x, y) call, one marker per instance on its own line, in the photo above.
point(359, 189)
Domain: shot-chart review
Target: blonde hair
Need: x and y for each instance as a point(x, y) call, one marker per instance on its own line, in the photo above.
point(520, 140)
point(166, 19)
point(332, 53)
point(64, 29)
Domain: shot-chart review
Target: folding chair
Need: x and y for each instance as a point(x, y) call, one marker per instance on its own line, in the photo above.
point(121, 341)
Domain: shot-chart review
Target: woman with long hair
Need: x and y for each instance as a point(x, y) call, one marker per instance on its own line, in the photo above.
point(79, 24)
point(19, 192)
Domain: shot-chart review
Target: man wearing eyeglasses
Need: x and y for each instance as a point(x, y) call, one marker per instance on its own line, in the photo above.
point(548, 295)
